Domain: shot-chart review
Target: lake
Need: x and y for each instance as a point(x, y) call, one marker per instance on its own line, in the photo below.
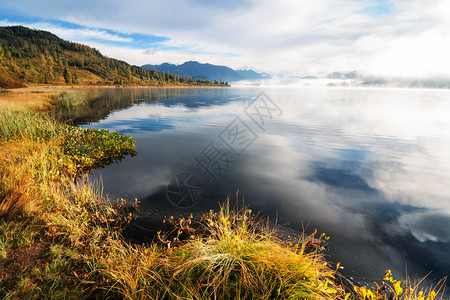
point(369, 167)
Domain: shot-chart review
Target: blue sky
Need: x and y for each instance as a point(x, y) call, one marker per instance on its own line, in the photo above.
point(379, 8)
point(290, 37)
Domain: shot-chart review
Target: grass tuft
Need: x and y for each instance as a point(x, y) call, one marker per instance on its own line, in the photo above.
point(70, 99)
point(237, 257)
point(26, 125)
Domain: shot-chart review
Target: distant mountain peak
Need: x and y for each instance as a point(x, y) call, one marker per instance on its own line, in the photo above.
point(208, 71)
point(344, 75)
point(246, 68)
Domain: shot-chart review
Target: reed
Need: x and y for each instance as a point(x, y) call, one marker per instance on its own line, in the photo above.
point(70, 99)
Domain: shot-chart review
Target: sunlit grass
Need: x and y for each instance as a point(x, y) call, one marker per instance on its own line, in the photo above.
point(25, 125)
point(394, 289)
point(238, 258)
point(32, 99)
point(42, 198)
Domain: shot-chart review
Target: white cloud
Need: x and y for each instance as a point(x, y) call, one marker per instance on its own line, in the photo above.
point(139, 57)
point(295, 37)
point(151, 51)
point(73, 34)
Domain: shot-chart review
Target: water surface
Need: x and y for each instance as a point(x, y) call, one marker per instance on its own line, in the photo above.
point(370, 167)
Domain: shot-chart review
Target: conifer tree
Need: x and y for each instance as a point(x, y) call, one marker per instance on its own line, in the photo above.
point(66, 75)
point(129, 72)
point(43, 60)
point(75, 78)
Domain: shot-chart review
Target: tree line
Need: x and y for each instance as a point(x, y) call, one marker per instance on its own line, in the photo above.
point(37, 56)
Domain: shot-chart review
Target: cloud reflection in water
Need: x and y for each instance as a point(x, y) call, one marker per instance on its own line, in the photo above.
point(369, 167)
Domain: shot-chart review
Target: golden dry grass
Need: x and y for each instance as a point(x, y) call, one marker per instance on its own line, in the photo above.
point(31, 98)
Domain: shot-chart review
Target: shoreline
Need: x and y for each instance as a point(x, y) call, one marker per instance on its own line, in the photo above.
point(62, 237)
point(39, 97)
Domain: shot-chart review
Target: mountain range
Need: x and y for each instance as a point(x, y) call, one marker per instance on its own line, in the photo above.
point(196, 70)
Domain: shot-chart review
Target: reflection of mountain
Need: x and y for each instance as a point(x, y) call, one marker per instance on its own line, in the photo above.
point(341, 179)
point(137, 125)
point(211, 72)
point(103, 101)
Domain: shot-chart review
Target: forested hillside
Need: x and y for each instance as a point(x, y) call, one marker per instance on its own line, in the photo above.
point(36, 56)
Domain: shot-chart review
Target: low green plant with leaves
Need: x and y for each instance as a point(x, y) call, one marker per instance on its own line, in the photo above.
point(95, 148)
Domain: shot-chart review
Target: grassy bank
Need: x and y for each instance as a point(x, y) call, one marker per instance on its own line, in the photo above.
point(60, 237)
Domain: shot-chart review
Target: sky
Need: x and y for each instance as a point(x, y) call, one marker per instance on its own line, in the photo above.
point(407, 38)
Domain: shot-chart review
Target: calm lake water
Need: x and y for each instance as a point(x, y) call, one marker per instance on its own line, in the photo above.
point(369, 167)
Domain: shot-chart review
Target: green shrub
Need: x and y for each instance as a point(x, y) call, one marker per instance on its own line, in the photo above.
point(96, 148)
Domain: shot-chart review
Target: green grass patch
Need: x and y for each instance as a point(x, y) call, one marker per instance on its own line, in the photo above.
point(70, 99)
point(25, 124)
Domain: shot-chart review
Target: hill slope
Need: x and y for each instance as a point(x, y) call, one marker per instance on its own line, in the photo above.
point(36, 56)
point(206, 71)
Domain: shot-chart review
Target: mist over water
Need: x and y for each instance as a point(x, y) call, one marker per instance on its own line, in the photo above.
point(370, 167)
